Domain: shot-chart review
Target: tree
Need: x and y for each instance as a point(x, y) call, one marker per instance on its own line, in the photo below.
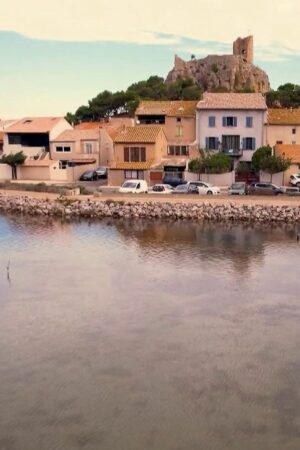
point(210, 163)
point(286, 96)
point(259, 156)
point(275, 164)
point(13, 160)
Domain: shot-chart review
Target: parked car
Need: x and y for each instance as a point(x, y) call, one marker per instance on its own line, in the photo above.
point(162, 189)
point(239, 188)
point(208, 189)
point(101, 172)
point(89, 175)
point(290, 190)
point(173, 181)
point(265, 189)
point(134, 187)
point(190, 187)
point(295, 179)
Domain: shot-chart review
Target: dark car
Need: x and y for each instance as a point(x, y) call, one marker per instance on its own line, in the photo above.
point(264, 189)
point(89, 175)
point(173, 181)
point(101, 172)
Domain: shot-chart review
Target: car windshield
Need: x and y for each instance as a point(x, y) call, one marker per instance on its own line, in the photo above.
point(158, 188)
point(88, 173)
point(237, 186)
point(101, 169)
point(129, 184)
point(181, 187)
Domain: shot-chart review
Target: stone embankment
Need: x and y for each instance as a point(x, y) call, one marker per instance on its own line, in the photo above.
point(67, 208)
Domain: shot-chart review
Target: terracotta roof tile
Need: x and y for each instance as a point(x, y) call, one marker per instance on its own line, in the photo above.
point(174, 108)
point(146, 134)
point(34, 125)
point(132, 165)
point(291, 151)
point(232, 101)
point(284, 116)
point(78, 135)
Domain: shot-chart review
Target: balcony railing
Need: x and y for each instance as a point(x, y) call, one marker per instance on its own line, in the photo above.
point(233, 151)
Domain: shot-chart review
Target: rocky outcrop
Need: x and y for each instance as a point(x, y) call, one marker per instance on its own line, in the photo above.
point(72, 209)
point(224, 72)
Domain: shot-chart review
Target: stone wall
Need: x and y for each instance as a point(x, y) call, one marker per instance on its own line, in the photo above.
point(73, 209)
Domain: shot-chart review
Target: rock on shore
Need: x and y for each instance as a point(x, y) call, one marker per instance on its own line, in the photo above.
point(150, 210)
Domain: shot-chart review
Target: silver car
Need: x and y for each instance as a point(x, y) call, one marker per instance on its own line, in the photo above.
point(239, 188)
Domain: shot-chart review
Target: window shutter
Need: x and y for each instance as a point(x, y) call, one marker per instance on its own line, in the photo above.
point(235, 121)
point(224, 121)
point(253, 144)
point(244, 144)
point(216, 143)
point(207, 143)
point(143, 154)
point(126, 154)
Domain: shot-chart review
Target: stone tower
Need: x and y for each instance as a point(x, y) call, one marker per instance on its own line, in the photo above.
point(244, 47)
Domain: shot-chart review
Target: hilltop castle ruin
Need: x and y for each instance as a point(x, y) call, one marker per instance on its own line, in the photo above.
point(234, 73)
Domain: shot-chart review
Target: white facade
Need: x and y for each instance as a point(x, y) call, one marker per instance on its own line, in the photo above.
point(218, 129)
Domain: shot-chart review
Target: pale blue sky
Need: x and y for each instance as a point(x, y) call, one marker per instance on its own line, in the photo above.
point(50, 66)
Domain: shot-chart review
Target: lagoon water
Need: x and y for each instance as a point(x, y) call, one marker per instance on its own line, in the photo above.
point(148, 336)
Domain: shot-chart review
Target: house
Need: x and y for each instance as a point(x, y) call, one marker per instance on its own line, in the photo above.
point(137, 150)
point(289, 151)
point(3, 125)
point(178, 120)
point(232, 123)
point(283, 126)
point(32, 136)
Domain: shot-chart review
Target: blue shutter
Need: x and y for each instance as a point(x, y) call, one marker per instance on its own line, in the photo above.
point(216, 143)
point(244, 143)
point(249, 122)
point(224, 121)
point(207, 143)
point(235, 121)
point(253, 143)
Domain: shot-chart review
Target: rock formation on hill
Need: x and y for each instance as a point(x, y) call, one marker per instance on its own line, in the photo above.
point(234, 72)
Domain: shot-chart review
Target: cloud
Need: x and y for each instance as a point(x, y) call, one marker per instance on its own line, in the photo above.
point(76, 20)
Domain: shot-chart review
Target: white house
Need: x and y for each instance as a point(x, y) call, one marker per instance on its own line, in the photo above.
point(231, 123)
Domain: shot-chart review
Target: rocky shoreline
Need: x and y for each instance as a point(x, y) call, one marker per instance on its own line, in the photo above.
point(69, 208)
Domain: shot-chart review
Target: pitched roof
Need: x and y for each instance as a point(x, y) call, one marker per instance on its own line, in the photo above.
point(284, 116)
point(112, 129)
point(174, 108)
point(232, 101)
point(34, 125)
point(291, 151)
point(146, 134)
point(77, 135)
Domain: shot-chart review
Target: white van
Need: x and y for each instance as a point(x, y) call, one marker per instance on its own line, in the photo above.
point(134, 187)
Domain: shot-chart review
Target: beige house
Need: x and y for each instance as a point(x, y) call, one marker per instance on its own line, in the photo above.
point(137, 154)
point(291, 151)
point(283, 127)
point(178, 120)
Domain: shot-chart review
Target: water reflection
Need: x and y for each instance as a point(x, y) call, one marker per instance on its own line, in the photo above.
point(148, 335)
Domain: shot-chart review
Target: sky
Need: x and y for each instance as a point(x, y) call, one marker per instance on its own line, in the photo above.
point(57, 55)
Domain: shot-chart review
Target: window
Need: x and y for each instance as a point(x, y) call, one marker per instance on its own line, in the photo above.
point(230, 121)
point(212, 143)
point(248, 143)
point(249, 122)
point(88, 148)
point(134, 174)
point(179, 131)
point(134, 154)
point(14, 139)
point(279, 142)
point(63, 149)
point(294, 131)
point(178, 150)
point(211, 121)
point(178, 119)
point(63, 164)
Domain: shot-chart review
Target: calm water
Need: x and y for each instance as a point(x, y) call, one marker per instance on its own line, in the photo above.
point(140, 336)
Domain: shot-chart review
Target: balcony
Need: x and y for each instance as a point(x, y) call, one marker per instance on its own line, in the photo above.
point(232, 151)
